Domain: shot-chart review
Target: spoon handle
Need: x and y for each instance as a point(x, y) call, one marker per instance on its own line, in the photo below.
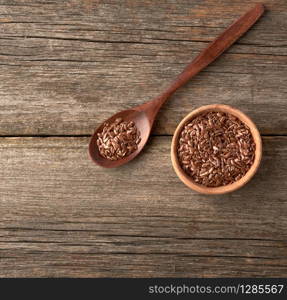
point(214, 49)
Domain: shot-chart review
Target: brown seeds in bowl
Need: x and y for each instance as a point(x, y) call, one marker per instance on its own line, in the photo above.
point(118, 139)
point(216, 149)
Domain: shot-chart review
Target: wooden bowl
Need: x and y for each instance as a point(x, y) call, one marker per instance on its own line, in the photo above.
point(185, 178)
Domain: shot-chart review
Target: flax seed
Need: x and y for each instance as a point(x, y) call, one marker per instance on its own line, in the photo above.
point(216, 149)
point(118, 139)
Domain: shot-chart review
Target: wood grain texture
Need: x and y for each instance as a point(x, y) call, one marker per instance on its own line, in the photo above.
point(68, 65)
point(63, 216)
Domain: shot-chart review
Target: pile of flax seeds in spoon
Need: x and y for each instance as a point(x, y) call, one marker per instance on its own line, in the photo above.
point(216, 149)
point(118, 139)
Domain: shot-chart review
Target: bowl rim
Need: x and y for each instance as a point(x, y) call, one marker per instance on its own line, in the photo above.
point(230, 187)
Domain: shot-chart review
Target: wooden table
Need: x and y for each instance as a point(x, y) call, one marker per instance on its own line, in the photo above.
point(68, 65)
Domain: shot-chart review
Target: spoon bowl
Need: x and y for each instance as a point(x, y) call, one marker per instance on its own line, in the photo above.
point(141, 120)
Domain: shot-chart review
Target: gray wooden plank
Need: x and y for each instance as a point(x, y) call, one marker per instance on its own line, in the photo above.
point(68, 65)
point(61, 215)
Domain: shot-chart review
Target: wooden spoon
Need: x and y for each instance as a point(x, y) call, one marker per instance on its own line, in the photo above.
point(144, 115)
